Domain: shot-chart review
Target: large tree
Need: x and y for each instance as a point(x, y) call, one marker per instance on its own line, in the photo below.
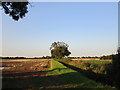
point(16, 10)
point(59, 50)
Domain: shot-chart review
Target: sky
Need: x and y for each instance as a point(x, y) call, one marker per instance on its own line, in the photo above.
point(89, 28)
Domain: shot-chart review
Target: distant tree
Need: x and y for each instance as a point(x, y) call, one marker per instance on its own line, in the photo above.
point(89, 57)
point(83, 57)
point(16, 10)
point(59, 50)
point(118, 50)
point(96, 57)
point(48, 57)
point(43, 57)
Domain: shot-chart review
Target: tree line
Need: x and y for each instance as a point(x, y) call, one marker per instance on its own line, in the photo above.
point(43, 57)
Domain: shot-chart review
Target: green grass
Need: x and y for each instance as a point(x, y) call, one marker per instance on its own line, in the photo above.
point(58, 69)
point(71, 78)
point(98, 61)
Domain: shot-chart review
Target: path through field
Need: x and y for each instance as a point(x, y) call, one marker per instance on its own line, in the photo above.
point(59, 76)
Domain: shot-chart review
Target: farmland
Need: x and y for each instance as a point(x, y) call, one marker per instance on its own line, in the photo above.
point(26, 65)
point(52, 74)
point(97, 66)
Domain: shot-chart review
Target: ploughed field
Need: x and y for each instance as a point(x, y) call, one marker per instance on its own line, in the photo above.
point(23, 66)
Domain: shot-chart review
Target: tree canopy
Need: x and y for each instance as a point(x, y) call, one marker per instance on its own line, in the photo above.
point(59, 50)
point(16, 10)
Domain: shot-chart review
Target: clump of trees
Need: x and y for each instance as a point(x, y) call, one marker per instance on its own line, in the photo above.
point(59, 50)
point(107, 57)
point(13, 57)
point(43, 57)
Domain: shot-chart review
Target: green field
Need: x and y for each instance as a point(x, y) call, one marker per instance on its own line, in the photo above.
point(97, 61)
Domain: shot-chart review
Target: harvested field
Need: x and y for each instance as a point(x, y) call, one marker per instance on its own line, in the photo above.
point(18, 67)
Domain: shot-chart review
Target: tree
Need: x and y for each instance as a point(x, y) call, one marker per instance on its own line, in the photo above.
point(16, 10)
point(59, 50)
point(114, 72)
point(118, 50)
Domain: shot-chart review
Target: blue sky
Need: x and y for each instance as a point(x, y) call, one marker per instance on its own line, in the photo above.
point(89, 28)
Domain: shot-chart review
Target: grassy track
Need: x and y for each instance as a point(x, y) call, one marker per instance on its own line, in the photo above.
point(71, 78)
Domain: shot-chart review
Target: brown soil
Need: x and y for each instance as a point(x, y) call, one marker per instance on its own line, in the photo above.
point(25, 68)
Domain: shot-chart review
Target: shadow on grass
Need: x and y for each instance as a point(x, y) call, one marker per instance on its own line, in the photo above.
point(13, 74)
point(39, 79)
point(59, 69)
point(10, 74)
point(44, 81)
point(102, 78)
